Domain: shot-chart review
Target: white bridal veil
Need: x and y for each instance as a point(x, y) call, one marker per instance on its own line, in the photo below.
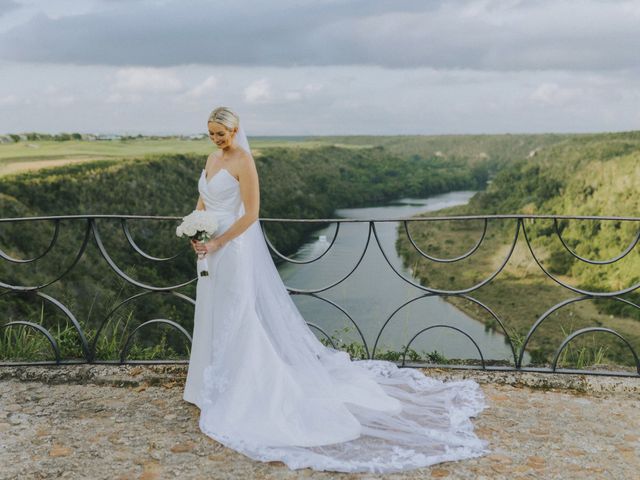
point(241, 139)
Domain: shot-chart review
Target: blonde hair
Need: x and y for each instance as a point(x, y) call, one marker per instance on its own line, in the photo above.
point(225, 116)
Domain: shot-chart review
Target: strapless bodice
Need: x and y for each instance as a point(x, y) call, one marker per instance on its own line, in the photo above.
point(221, 195)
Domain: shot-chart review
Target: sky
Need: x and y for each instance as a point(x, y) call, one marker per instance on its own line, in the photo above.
point(320, 67)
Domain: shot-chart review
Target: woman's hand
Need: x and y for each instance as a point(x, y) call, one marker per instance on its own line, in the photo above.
point(197, 246)
point(206, 247)
point(212, 245)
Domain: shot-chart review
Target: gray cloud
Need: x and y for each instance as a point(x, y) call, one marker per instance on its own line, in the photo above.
point(473, 34)
point(7, 6)
point(320, 66)
point(314, 100)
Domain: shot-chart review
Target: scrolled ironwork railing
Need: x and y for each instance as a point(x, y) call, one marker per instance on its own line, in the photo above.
point(370, 347)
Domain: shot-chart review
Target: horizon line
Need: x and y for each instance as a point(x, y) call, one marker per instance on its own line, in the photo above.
point(204, 135)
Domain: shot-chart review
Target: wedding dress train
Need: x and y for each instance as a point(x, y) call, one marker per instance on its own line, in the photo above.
point(268, 388)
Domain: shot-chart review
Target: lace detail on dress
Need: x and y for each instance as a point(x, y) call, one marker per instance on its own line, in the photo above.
point(434, 426)
point(216, 377)
point(216, 381)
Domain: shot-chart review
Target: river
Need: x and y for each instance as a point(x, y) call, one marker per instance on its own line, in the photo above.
point(374, 291)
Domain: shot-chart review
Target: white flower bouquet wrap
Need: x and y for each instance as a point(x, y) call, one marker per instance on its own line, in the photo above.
point(200, 225)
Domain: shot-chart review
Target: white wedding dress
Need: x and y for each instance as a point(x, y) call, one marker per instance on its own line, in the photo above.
point(268, 388)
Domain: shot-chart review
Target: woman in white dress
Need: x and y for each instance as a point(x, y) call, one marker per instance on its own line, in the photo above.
point(267, 387)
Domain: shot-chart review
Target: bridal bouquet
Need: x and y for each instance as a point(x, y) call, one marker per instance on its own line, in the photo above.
point(200, 225)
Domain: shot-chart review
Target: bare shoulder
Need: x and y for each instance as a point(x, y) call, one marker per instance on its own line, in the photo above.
point(245, 160)
point(239, 162)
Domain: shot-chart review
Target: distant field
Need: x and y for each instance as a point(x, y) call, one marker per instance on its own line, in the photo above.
point(31, 155)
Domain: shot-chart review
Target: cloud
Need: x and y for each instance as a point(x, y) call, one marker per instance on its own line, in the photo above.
point(9, 100)
point(7, 6)
point(62, 100)
point(321, 100)
point(292, 96)
point(56, 96)
point(321, 66)
point(302, 94)
point(258, 91)
point(312, 87)
point(204, 89)
point(131, 85)
point(503, 35)
point(146, 80)
point(553, 94)
point(261, 91)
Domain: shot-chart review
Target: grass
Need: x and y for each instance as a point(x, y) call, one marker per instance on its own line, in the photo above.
point(21, 343)
point(357, 351)
point(582, 356)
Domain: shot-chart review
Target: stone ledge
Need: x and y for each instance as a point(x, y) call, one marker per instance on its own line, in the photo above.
point(56, 422)
point(138, 375)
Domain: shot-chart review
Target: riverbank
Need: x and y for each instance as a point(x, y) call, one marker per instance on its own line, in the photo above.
point(519, 295)
point(52, 427)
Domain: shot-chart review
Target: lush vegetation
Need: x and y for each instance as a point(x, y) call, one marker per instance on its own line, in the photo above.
point(310, 178)
point(37, 151)
point(296, 182)
point(582, 175)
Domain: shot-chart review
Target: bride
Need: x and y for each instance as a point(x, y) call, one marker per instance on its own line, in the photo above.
point(267, 387)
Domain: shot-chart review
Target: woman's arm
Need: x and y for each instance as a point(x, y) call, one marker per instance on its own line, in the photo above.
point(250, 192)
point(200, 204)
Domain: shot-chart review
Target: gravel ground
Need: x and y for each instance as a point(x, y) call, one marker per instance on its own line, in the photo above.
point(124, 422)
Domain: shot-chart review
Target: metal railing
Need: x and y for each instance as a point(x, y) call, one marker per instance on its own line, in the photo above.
point(91, 228)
